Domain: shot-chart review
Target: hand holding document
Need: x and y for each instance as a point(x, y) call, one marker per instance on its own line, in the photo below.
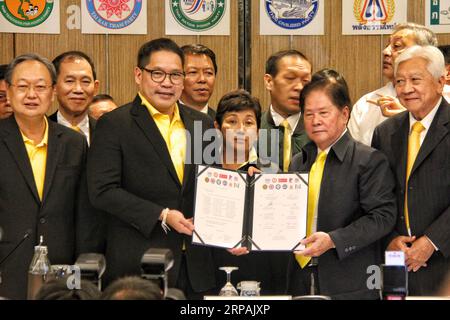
point(263, 212)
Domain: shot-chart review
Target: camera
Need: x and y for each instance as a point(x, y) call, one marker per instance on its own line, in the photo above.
point(155, 265)
point(92, 267)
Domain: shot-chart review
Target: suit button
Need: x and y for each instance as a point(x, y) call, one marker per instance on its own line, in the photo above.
point(402, 218)
point(42, 220)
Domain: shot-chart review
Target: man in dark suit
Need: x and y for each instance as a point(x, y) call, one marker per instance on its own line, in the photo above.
point(43, 185)
point(283, 135)
point(417, 143)
point(200, 68)
point(351, 201)
point(76, 86)
point(147, 182)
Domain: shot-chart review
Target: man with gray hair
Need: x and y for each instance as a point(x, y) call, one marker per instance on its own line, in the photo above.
point(377, 106)
point(43, 186)
point(417, 144)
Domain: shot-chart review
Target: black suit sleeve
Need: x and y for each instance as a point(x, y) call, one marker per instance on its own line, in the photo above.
point(375, 140)
point(90, 224)
point(377, 201)
point(376, 145)
point(438, 232)
point(104, 175)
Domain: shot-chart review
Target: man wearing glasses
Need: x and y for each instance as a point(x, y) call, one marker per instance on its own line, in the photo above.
point(147, 184)
point(5, 108)
point(43, 185)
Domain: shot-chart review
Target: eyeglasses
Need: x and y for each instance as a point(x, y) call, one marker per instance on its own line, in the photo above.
point(159, 76)
point(25, 88)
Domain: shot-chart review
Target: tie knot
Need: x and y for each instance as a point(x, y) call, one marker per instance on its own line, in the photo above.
point(76, 128)
point(418, 127)
point(322, 156)
point(286, 124)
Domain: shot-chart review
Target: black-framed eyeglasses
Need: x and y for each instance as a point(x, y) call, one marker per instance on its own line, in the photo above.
point(159, 76)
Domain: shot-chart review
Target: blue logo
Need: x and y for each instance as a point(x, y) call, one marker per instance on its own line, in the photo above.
point(291, 15)
point(114, 14)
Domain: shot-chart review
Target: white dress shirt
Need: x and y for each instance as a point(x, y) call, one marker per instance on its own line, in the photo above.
point(365, 116)
point(83, 125)
point(278, 119)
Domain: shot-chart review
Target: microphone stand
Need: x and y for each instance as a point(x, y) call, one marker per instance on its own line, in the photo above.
point(25, 236)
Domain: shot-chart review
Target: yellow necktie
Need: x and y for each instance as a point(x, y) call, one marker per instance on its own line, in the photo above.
point(315, 179)
point(413, 150)
point(286, 145)
point(76, 128)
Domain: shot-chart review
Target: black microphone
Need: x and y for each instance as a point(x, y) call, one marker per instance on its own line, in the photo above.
point(1, 234)
point(25, 236)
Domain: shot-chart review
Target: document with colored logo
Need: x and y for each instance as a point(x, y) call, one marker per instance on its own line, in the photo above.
point(265, 212)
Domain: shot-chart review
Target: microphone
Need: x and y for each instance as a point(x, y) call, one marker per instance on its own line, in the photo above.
point(1, 234)
point(25, 236)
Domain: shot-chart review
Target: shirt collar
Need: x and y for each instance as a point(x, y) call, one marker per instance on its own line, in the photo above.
point(426, 122)
point(83, 124)
point(44, 140)
point(204, 110)
point(278, 119)
point(327, 150)
point(156, 113)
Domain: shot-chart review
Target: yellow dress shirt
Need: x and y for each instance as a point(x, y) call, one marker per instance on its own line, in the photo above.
point(173, 133)
point(37, 153)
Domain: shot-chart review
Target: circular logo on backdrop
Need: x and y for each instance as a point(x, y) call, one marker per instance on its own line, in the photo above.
point(198, 15)
point(114, 14)
point(292, 14)
point(26, 13)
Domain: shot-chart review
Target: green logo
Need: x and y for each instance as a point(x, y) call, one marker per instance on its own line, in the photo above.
point(198, 15)
point(26, 13)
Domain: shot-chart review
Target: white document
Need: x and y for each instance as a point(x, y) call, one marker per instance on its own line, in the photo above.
point(219, 207)
point(279, 211)
point(264, 213)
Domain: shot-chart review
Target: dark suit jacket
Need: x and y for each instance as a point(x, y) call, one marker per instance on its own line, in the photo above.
point(299, 139)
point(356, 208)
point(428, 190)
point(99, 219)
point(92, 124)
point(212, 113)
point(131, 176)
point(60, 216)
